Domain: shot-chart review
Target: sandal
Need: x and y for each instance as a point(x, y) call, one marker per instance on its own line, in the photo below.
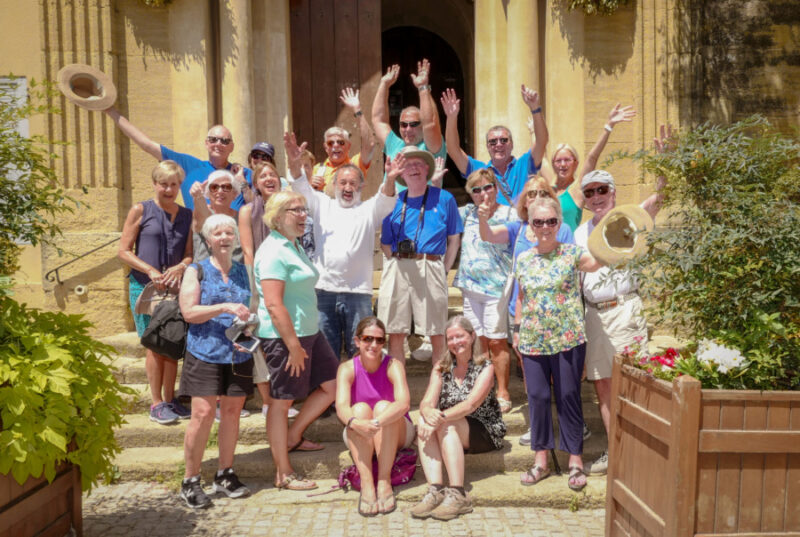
point(382, 504)
point(505, 405)
point(576, 474)
point(534, 475)
point(295, 482)
point(372, 508)
point(306, 445)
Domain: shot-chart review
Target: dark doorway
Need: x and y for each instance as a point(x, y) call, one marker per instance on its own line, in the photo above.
point(405, 46)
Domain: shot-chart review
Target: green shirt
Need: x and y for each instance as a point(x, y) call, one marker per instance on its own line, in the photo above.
point(279, 259)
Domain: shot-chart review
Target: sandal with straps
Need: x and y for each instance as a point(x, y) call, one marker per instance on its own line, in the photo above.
point(576, 473)
point(295, 482)
point(534, 475)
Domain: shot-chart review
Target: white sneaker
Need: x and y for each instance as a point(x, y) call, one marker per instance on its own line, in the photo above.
point(424, 352)
point(600, 466)
point(293, 412)
point(525, 439)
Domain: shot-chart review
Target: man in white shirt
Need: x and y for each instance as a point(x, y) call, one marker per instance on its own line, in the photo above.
point(614, 309)
point(345, 229)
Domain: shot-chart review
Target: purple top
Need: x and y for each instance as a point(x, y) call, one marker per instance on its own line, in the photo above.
point(369, 387)
point(161, 243)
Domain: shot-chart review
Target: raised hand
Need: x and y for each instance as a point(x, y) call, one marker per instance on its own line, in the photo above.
point(423, 72)
point(293, 151)
point(665, 142)
point(618, 114)
point(349, 98)
point(395, 167)
point(530, 97)
point(198, 190)
point(450, 102)
point(485, 210)
point(391, 75)
point(438, 172)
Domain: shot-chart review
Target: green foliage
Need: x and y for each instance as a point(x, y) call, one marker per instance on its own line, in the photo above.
point(30, 197)
point(156, 3)
point(596, 7)
point(58, 400)
point(726, 266)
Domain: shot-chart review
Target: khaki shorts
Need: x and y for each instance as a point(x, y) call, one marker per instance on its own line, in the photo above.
point(413, 286)
point(609, 332)
point(411, 434)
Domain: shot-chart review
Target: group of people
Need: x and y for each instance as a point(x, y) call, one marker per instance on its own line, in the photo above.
point(289, 261)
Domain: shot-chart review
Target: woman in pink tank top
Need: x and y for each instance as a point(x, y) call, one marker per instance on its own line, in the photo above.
point(372, 401)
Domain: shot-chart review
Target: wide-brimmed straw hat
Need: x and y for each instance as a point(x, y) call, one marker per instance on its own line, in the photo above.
point(87, 86)
point(412, 151)
point(621, 235)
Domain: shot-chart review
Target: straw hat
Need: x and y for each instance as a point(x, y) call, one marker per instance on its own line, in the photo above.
point(621, 235)
point(87, 86)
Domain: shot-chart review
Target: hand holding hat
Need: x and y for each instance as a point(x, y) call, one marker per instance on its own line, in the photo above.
point(87, 86)
point(621, 235)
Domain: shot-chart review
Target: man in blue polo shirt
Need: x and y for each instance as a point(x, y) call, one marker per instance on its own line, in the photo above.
point(219, 144)
point(420, 240)
point(511, 173)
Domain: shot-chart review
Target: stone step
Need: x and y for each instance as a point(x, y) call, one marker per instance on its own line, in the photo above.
point(255, 463)
point(139, 431)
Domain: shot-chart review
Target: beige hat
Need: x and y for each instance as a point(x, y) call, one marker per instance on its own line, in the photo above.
point(87, 86)
point(621, 235)
point(412, 151)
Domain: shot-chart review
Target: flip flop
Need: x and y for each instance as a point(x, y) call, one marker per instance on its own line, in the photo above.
point(295, 482)
point(306, 445)
point(576, 473)
point(368, 505)
point(534, 475)
point(505, 405)
point(382, 509)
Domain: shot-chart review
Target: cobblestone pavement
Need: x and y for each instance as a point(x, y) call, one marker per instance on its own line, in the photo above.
point(152, 510)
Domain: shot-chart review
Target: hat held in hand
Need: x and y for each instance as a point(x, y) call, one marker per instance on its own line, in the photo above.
point(87, 86)
point(621, 235)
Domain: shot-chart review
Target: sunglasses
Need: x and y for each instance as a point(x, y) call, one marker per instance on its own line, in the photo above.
point(564, 161)
point(258, 155)
point(215, 139)
point(550, 222)
point(370, 339)
point(409, 124)
point(494, 141)
point(331, 143)
point(531, 194)
point(225, 187)
point(485, 188)
point(600, 190)
point(298, 210)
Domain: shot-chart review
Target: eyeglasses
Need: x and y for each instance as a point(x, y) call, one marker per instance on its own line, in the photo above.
point(410, 124)
point(600, 190)
point(217, 139)
point(550, 222)
point(258, 155)
point(331, 143)
point(485, 188)
point(531, 194)
point(298, 210)
point(494, 141)
point(225, 187)
point(370, 339)
point(564, 161)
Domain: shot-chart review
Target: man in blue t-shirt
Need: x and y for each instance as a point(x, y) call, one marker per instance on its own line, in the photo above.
point(219, 144)
point(511, 173)
point(420, 240)
point(418, 126)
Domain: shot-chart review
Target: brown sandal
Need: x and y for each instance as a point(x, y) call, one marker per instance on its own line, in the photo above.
point(295, 482)
point(575, 474)
point(534, 475)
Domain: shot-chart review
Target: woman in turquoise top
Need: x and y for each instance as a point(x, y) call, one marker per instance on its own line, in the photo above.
point(565, 164)
point(301, 363)
point(549, 334)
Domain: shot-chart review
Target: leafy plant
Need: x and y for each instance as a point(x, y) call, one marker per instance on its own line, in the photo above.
point(726, 265)
point(30, 196)
point(58, 400)
point(596, 7)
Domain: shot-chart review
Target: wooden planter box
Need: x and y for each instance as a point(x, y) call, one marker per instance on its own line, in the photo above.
point(684, 461)
point(40, 508)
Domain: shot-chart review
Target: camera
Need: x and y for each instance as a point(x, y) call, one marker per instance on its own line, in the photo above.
point(248, 342)
point(406, 247)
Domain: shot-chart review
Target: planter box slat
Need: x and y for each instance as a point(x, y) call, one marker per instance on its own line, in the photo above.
point(717, 441)
point(793, 487)
point(646, 516)
point(644, 419)
point(40, 508)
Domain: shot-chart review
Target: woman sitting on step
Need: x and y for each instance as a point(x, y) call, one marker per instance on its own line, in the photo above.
point(215, 293)
point(459, 414)
point(372, 400)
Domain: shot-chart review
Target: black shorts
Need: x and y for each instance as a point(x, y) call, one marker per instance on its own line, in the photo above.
point(204, 379)
point(479, 439)
point(321, 366)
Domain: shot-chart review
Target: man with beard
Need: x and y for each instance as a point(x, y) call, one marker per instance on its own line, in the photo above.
point(344, 228)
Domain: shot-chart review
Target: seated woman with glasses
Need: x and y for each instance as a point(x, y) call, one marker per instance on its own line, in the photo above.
point(549, 334)
point(300, 361)
point(372, 400)
point(482, 275)
point(215, 292)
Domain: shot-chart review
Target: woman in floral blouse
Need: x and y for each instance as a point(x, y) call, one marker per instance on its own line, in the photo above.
point(549, 334)
point(459, 414)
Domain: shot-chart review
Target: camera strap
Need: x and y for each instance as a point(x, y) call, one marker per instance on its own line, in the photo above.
point(420, 221)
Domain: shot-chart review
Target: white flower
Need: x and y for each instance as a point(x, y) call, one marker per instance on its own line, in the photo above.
point(724, 358)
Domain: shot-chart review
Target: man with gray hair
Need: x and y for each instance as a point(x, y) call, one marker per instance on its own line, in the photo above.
point(344, 228)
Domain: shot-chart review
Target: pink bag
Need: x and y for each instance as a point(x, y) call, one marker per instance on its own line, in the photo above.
point(405, 464)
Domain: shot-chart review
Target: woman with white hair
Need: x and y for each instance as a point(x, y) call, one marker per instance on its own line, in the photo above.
point(215, 293)
point(220, 189)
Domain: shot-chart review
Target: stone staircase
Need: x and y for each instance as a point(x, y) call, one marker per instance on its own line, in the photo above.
point(155, 452)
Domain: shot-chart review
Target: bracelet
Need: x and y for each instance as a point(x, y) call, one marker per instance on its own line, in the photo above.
point(349, 422)
point(516, 328)
point(537, 111)
point(184, 265)
point(358, 114)
point(607, 127)
point(425, 87)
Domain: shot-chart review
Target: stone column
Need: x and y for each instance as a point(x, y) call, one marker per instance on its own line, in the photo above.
point(506, 56)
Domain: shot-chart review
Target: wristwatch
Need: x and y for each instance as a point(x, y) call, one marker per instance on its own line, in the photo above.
point(425, 87)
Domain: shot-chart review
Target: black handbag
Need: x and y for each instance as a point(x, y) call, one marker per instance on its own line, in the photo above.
point(166, 333)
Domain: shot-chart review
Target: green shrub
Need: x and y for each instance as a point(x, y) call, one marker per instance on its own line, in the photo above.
point(727, 265)
point(596, 7)
point(58, 400)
